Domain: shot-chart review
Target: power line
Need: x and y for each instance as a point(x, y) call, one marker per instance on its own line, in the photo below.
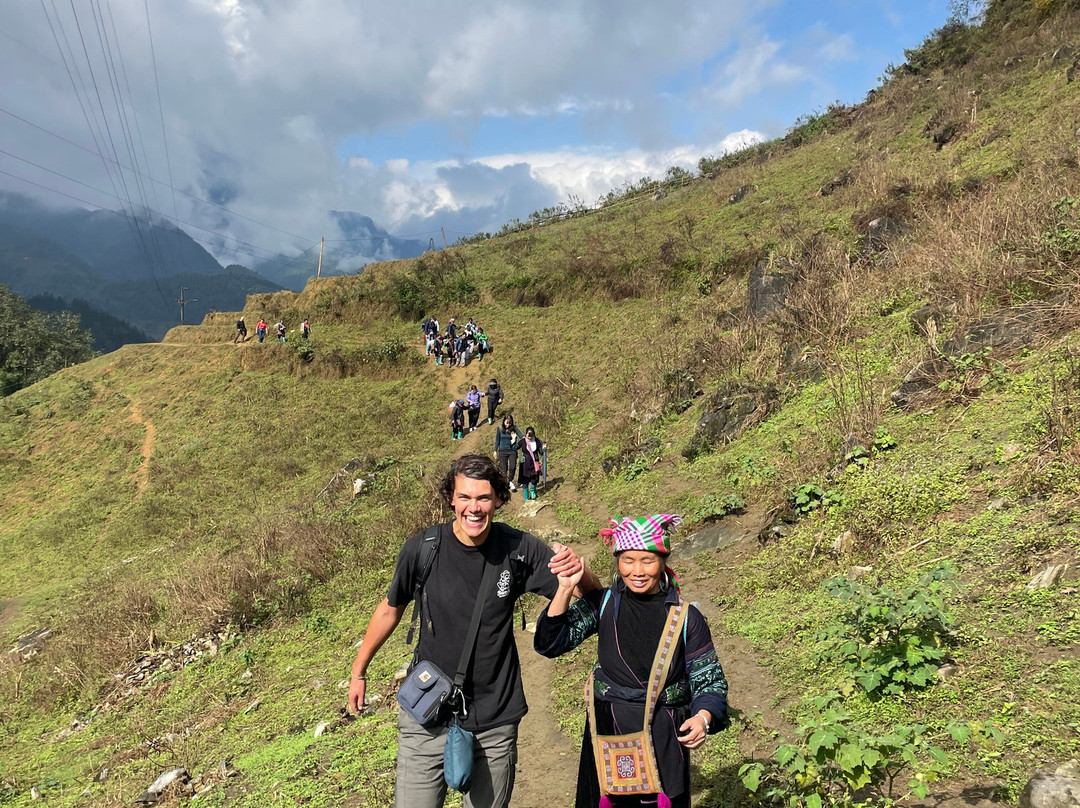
point(153, 179)
point(161, 111)
point(86, 108)
point(265, 259)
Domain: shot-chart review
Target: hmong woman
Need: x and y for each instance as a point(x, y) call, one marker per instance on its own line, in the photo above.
point(655, 656)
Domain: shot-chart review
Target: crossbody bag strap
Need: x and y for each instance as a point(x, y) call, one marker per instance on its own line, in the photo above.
point(474, 625)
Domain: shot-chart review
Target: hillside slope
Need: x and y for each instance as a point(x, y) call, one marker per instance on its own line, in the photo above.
point(851, 352)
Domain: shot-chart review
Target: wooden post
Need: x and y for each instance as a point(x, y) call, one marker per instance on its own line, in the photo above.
point(322, 241)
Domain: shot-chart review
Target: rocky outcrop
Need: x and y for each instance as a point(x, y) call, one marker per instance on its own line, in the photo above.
point(839, 181)
point(1057, 789)
point(729, 412)
point(1003, 331)
point(881, 232)
point(741, 194)
point(768, 287)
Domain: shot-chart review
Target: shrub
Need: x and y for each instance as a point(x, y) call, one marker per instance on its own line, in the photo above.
point(808, 497)
point(833, 762)
point(890, 641)
point(716, 506)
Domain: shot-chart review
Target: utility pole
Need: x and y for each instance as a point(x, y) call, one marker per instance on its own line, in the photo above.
point(322, 241)
point(444, 237)
point(183, 301)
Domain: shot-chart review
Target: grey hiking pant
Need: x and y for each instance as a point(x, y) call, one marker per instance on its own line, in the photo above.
point(420, 782)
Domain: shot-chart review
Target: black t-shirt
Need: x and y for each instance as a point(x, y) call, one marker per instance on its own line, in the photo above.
point(492, 687)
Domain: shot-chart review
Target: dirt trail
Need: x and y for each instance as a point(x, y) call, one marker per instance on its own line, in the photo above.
point(142, 474)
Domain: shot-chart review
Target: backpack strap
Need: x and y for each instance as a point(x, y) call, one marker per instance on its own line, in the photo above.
point(425, 557)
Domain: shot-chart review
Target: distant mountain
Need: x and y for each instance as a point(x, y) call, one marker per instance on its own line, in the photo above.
point(32, 264)
point(109, 332)
point(361, 242)
point(114, 244)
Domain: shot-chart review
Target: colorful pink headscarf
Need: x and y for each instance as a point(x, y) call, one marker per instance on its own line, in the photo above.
point(649, 533)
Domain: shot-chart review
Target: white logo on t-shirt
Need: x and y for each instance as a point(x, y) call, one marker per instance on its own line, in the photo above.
point(503, 588)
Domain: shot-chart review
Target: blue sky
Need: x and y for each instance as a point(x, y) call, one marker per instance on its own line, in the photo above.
point(421, 114)
point(862, 38)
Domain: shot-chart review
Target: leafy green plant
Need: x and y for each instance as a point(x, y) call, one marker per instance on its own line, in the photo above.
point(1062, 241)
point(858, 457)
point(304, 350)
point(834, 762)
point(715, 506)
point(891, 640)
point(971, 372)
point(808, 497)
point(883, 441)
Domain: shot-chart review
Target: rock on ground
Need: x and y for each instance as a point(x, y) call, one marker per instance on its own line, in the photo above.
point(1051, 790)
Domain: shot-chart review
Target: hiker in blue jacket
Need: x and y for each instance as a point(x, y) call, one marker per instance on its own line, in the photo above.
point(506, 440)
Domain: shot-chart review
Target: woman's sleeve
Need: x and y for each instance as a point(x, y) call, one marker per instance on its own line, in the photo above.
point(708, 686)
point(557, 635)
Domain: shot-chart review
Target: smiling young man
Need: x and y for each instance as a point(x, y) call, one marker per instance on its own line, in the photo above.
point(474, 489)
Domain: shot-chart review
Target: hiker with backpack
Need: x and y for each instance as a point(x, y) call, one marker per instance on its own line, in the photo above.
point(472, 398)
point(506, 441)
point(532, 463)
point(463, 698)
point(280, 329)
point(430, 329)
point(658, 689)
point(437, 348)
point(241, 331)
point(494, 396)
point(457, 419)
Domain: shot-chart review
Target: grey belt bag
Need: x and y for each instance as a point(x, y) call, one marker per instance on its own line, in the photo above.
point(424, 692)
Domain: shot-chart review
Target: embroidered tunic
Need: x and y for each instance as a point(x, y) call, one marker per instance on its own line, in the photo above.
point(629, 627)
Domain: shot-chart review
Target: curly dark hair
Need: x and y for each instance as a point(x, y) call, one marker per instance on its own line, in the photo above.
point(475, 467)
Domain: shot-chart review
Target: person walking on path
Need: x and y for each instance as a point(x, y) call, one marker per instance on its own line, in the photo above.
point(482, 346)
point(451, 328)
point(472, 398)
point(280, 328)
point(457, 419)
point(494, 396)
point(305, 329)
point(657, 675)
point(533, 463)
point(448, 344)
point(445, 589)
point(437, 348)
point(260, 329)
point(506, 440)
point(241, 331)
point(430, 329)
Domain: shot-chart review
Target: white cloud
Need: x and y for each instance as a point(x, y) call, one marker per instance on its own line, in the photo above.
point(753, 68)
point(257, 94)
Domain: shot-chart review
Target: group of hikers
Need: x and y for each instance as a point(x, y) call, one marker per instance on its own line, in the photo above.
point(457, 345)
point(656, 692)
point(261, 330)
point(511, 445)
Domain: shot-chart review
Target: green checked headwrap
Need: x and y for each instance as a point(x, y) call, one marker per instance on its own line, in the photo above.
point(648, 533)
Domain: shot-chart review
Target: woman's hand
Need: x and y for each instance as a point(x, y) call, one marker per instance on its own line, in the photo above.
point(692, 733)
point(568, 569)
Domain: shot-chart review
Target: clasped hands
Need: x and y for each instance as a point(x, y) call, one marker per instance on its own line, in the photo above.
point(567, 566)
